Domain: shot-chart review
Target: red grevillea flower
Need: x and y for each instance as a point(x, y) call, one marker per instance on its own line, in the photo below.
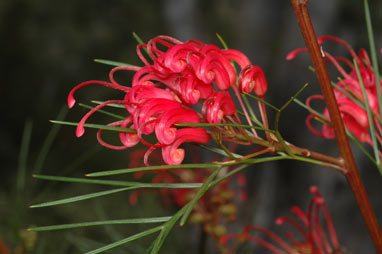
point(315, 239)
point(252, 78)
point(353, 114)
point(175, 76)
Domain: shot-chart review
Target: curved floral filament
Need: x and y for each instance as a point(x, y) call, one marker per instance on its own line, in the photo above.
point(342, 42)
point(120, 68)
point(127, 139)
point(80, 127)
point(72, 101)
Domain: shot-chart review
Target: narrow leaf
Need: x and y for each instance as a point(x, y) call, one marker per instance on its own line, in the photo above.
point(224, 44)
point(120, 183)
point(261, 100)
point(166, 228)
point(103, 112)
point(48, 141)
point(126, 240)
point(221, 125)
point(101, 223)
point(114, 63)
point(81, 197)
point(370, 117)
point(373, 53)
point(219, 151)
point(23, 156)
point(96, 126)
point(151, 168)
point(205, 187)
point(113, 105)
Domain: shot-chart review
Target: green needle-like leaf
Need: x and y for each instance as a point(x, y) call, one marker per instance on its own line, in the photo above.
point(250, 110)
point(261, 100)
point(224, 44)
point(137, 38)
point(101, 223)
point(113, 105)
point(103, 112)
point(81, 197)
point(120, 183)
point(152, 168)
point(96, 126)
point(221, 125)
point(126, 240)
point(114, 63)
point(370, 117)
point(247, 164)
point(23, 157)
point(205, 187)
point(360, 146)
point(219, 151)
point(373, 53)
point(48, 142)
point(166, 228)
point(140, 41)
point(310, 109)
point(277, 120)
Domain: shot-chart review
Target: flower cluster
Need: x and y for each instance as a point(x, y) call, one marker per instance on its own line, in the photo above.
point(176, 76)
point(315, 239)
point(348, 93)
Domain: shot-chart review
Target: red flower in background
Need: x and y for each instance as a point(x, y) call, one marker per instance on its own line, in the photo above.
point(175, 76)
point(354, 116)
point(316, 238)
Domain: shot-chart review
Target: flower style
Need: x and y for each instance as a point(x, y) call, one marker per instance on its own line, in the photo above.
point(348, 93)
point(315, 239)
point(175, 76)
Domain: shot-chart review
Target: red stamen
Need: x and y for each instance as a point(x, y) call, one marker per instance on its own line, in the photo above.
point(72, 101)
point(338, 40)
point(271, 235)
point(291, 55)
point(80, 127)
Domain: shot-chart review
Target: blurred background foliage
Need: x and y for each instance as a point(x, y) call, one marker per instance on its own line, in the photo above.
point(47, 48)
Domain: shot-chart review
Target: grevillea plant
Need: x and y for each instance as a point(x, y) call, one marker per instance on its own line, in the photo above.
point(188, 96)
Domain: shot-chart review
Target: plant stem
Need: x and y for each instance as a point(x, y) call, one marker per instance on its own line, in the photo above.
point(352, 175)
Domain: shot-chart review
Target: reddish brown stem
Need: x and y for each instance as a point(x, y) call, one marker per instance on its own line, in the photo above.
point(352, 175)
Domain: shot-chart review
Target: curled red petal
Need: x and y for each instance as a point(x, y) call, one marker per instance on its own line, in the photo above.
point(237, 56)
point(152, 109)
point(211, 68)
point(164, 130)
point(253, 78)
point(172, 155)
